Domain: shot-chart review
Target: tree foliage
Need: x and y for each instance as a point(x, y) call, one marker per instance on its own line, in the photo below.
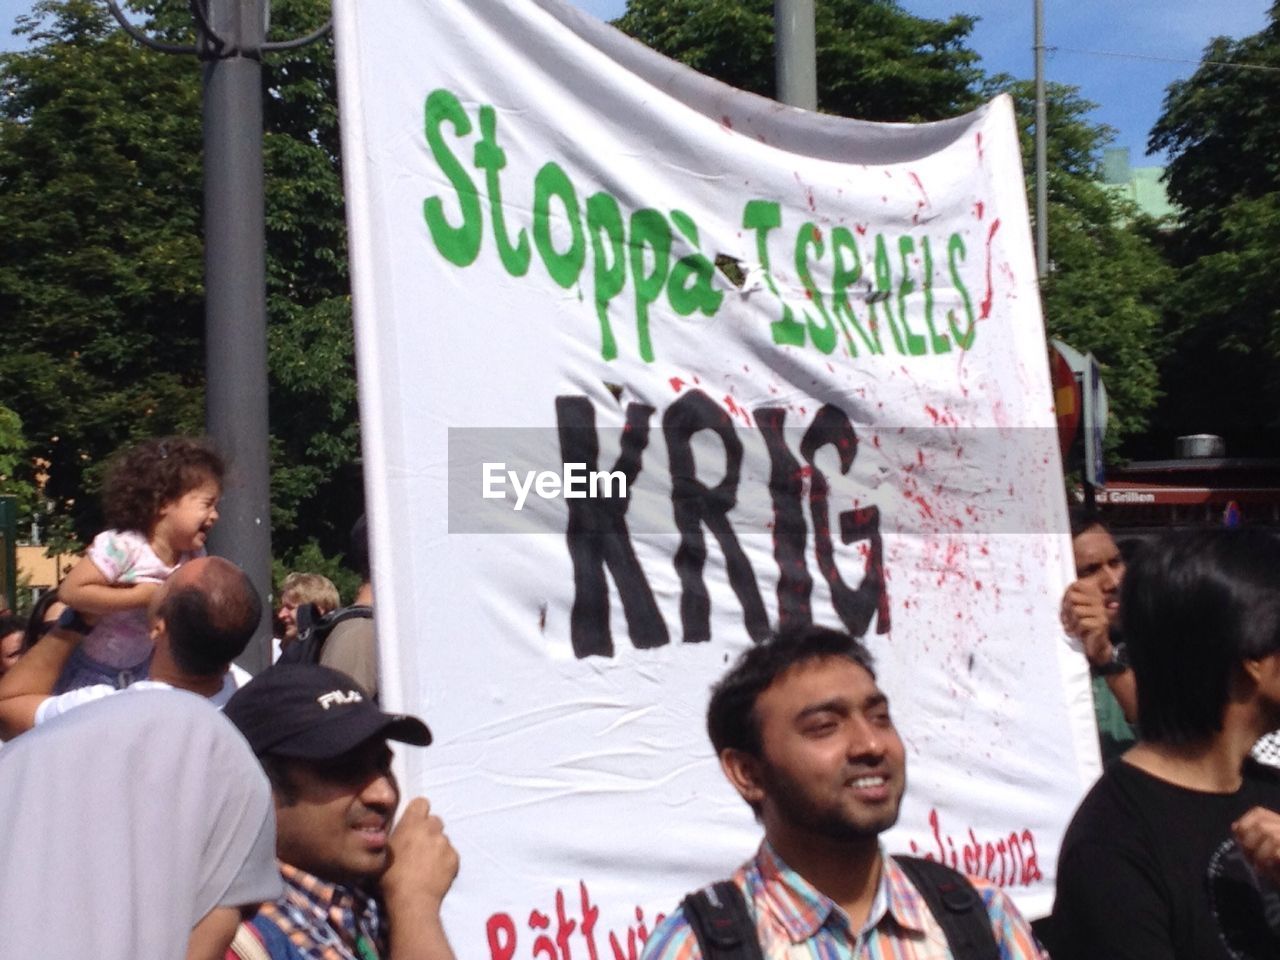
point(1108, 281)
point(13, 449)
point(1221, 127)
point(101, 259)
point(874, 60)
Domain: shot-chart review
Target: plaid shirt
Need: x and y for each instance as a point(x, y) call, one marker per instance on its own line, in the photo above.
point(796, 922)
point(322, 921)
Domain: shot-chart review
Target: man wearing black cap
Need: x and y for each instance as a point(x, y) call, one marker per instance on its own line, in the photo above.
point(355, 889)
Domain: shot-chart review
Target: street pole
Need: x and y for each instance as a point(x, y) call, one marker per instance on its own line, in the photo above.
point(795, 53)
point(1042, 174)
point(230, 42)
point(236, 294)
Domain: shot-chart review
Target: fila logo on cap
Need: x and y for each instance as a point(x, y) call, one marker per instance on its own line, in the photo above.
point(339, 698)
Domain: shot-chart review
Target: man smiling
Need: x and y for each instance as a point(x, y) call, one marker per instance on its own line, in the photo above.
point(355, 889)
point(805, 736)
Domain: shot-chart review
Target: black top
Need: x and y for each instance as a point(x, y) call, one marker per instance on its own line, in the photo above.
point(1149, 871)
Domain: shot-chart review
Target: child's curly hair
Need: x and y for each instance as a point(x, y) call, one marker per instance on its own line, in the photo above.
point(143, 478)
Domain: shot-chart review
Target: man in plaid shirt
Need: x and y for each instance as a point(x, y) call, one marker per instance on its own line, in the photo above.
point(804, 735)
point(355, 889)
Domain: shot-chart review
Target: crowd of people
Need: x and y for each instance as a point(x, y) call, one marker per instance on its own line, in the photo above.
point(172, 806)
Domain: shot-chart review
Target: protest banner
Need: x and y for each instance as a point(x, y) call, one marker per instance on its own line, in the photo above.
point(650, 367)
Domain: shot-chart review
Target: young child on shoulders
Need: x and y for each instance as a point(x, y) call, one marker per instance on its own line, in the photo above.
point(160, 500)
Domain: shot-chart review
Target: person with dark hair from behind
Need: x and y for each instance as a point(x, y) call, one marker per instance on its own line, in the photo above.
point(1091, 614)
point(352, 645)
point(201, 619)
point(1175, 851)
point(804, 735)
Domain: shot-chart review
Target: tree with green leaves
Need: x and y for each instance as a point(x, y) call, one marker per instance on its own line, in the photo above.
point(1220, 128)
point(1108, 280)
point(13, 450)
point(875, 61)
point(101, 259)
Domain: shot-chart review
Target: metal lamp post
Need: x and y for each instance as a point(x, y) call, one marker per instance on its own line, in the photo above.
point(795, 53)
point(1042, 165)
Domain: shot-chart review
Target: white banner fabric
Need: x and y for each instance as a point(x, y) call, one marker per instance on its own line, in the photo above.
point(812, 350)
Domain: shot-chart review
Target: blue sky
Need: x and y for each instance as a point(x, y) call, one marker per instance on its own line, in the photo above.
point(1122, 54)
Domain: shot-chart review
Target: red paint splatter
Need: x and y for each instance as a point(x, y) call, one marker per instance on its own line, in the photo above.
point(808, 193)
point(736, 410)
point(817, 234)
point(676, 384)
point(977, 584)
point(920, 187)
point(925, 509)
point(979, 209)
point(985, 312)
point(725, 121)
point(861, 229)
point(979, 136)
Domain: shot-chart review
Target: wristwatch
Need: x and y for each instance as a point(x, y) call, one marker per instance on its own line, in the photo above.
point(70, 619)
point(1118, 663)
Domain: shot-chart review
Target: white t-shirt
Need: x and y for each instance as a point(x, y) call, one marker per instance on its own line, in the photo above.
point(57, 706)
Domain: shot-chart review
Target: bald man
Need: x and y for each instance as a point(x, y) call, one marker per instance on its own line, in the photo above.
point(200, 620)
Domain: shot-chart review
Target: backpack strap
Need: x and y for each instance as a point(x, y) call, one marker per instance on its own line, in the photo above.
point(259, 938)
point(246, 946)
point(956, 905)
point(335, 617)
point(313, 632)
point(722, 923)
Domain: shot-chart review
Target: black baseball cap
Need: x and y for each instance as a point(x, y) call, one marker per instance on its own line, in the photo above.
point(304, 711)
